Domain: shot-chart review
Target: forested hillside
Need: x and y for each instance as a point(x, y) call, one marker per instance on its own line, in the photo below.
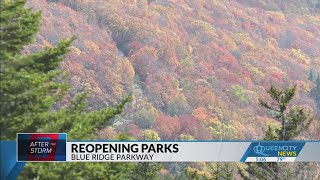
point(162, 70)
point(195, 68)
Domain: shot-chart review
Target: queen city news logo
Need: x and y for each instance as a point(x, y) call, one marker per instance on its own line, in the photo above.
point(276, 149)
point(260, 150)
point(41, 146)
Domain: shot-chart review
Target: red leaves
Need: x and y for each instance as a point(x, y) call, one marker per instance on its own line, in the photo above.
point(248, 25)
point(162, 86)
point(192, 126)
point(167, 127)
point(170, 128)
point(277, 75)
point(144, 61)
point(169, 56)
point(245, 25)
point(134, 45)
point(228, 59)
point(132, 130)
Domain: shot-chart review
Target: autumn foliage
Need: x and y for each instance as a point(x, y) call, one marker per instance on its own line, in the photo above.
point(188, 64)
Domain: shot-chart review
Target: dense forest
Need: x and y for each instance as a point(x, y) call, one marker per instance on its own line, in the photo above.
point(205, 63)
point(193, 70)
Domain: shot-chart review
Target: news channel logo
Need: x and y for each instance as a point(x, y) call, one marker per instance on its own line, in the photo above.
point(260, 150)
point(41, 146)
point(275, 149)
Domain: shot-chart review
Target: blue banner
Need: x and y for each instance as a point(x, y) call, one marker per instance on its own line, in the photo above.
point(271, 149)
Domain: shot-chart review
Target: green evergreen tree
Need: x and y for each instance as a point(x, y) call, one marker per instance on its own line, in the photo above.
point(148, 170)
point(293, 120)
point(221, 171)
point(212, 171)
point(31, 84)
point(195, 174)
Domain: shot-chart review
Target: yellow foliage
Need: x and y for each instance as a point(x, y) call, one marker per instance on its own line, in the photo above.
point(197, 173)
point(212, 121)
point(76, 50)
point(316, 62)
point(128, 68)
point(274, 69)
point(270, 29)
point(254, 70)
point(278, 16)
point(206, 27)
point(300, 55)
point(271, 44)
point(245, 39)
point(107, 133)
point(299, 21)
point(201, 113)
point(304, 86)
point(229, 42)
point(117, 90)
point(46, 43)
point(313, 19)
point(96, 90)
point(186, 137)
point(150, 135)
point(187, 61)
point(91, 45)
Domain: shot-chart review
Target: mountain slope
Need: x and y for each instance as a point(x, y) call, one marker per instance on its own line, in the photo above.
point(191, 66)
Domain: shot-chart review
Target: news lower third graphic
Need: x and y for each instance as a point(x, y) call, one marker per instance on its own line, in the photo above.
point(273, 151)
point(53, 147)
